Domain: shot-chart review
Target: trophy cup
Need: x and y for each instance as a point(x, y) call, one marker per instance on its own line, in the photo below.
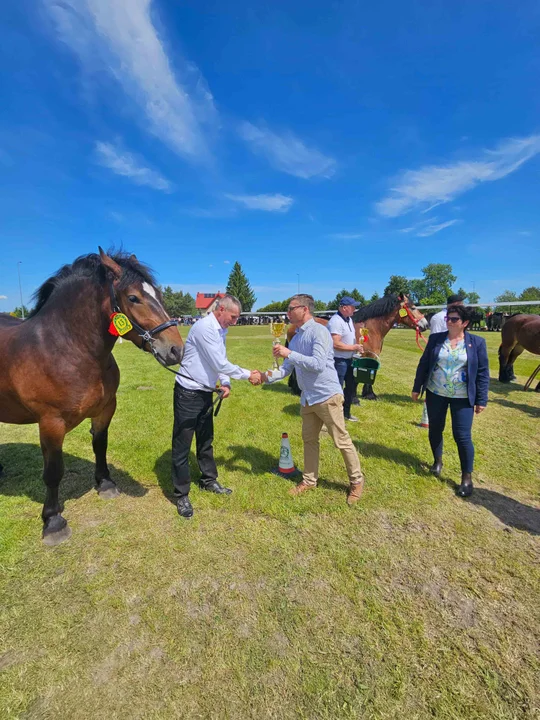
point(276, 329)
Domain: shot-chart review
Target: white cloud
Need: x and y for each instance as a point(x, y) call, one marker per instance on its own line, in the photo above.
point(433, 185)
point(270, 203)
point(3, 297)
point(227, 262)
point(125, 164)
point(345, 236)
point(432, 229)
point(119, 36)
point(287, 152)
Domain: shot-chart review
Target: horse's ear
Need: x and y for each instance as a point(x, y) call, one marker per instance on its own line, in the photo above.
point(401, 296)
point(109, 263)
point(133, 258)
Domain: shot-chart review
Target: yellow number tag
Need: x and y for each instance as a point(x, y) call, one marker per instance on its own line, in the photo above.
point(122, 324)
point(402, 313)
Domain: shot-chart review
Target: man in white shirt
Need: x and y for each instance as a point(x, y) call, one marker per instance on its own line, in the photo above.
point(438, 321)
point(203, 364)
point(341, 328)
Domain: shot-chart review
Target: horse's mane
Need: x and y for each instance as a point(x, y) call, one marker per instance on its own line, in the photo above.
point(383, 306)
point(90, 267)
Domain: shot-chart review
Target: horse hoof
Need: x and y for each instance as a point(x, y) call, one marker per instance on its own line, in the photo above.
point(107, 490)
point(56, 531)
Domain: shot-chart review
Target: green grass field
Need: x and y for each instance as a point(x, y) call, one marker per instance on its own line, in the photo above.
point(412, 604)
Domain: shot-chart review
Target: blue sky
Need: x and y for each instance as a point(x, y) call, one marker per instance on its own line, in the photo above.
point(340, 142)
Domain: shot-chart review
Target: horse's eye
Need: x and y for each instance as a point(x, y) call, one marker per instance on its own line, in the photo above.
point(133, 299)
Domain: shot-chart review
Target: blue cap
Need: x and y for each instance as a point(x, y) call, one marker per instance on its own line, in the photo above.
point(348, 300)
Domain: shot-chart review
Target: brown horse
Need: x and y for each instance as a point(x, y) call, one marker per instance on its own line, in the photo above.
point(519, 333)
point(378, 317)
point(57, 367)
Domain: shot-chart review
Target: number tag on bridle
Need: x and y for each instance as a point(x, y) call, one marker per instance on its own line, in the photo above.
point(402, 312)
point(120, 324)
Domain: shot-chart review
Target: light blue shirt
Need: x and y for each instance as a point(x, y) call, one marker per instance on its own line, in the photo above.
point(312, 356)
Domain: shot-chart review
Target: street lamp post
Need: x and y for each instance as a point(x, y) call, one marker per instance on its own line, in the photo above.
point(20, 287)
point(298, 276)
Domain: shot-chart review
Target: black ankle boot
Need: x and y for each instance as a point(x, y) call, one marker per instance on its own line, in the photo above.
point(436, 468)
point(466, 487)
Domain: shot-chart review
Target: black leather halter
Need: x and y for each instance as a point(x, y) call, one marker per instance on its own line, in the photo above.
point(147, 336)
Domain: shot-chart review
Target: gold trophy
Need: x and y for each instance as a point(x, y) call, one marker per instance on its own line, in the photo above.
point(276, 329)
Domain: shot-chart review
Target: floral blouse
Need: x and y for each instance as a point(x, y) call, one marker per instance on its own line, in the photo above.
point(449, 376)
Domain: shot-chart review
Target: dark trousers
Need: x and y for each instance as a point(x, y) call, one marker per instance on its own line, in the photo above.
point(347, 382)
point(192, 414)
point(462, 417)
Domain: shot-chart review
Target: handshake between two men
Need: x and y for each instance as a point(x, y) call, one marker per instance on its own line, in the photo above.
point(257, 377)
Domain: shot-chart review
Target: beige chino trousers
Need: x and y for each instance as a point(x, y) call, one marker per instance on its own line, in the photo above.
point(329, 413)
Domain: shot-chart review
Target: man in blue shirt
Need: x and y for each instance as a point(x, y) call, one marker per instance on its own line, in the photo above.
point(311, 354)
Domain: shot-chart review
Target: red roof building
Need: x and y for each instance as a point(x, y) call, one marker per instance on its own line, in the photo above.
point(206, 302)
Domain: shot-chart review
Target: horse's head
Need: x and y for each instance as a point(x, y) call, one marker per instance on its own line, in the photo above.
point(132, 294)
point(410, 315)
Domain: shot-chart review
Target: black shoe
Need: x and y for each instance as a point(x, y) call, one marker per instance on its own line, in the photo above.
point(436, 468)
point(466, 487)
point(215, 487)
point(355, 401)
point(351, 418)
point(184, 507)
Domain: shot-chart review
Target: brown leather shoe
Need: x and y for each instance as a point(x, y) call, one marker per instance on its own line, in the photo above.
point(355, 492)
point(300, 488)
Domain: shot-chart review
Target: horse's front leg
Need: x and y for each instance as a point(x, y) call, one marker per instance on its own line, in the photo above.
point(367, 392)
point(105, 486)
point(51, 435)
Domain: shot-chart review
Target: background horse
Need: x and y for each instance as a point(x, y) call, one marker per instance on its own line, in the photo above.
point(57, 367)
point(519, 333)
point(378, 317)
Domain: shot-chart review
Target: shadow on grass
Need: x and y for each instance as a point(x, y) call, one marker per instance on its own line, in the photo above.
point(509, 511)
point(23, 468)
point(280, 387)
point(505, 388)
point(246, 459)
point(394, 454)
point(394, 398)
point(529, 409)
point(293, 409)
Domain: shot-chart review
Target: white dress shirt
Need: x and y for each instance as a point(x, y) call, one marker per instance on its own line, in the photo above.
point(438, 322)
point(338, 325)
point(205, 357)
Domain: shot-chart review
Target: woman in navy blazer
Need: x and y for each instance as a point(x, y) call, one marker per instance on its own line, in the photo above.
point(454, 371)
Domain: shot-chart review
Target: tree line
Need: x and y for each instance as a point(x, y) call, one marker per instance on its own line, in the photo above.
point(432, 288)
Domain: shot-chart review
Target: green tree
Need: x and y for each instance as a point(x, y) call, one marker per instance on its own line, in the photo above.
point(417, 291)
point(355, 294)
point(277, 306)
point(438, 281)
point(320, 305)
point(462, 294)
point(177, 304)
point(530, 293)
point(473, 298)
point(374, 297)
point(396, 285)
point(18, 312)
point(238, 285)
point(506, 296)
